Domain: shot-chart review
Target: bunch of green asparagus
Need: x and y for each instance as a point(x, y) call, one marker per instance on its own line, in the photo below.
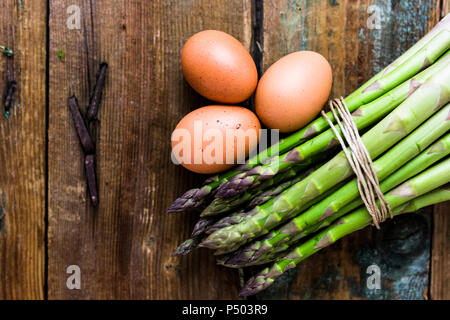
point(279, 209)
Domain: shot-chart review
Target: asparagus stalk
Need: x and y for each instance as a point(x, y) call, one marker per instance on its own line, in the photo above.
point(425, 182)
point(195, 198)
point(431, 198)
point(219, 206)
point(423, 103)
point(363, 117)
point(265, 249)
point(232, 219)
point(205, 223)
point(242, 215)
point(266, 195)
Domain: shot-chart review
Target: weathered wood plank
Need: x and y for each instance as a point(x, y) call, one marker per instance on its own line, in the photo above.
point(22, 152)
point(440, 255)
point(124, 248)
point(339, 31)
point(440, 261)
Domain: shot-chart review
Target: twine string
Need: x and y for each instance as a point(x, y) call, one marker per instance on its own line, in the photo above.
point(360, 161)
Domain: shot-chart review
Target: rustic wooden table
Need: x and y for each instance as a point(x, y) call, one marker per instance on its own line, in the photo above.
point(124, 247)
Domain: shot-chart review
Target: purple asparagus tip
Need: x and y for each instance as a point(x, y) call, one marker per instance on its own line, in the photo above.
point(255, 285)
point(201, 226)
point(186, 247)
point(184, 202)
point(235, 187)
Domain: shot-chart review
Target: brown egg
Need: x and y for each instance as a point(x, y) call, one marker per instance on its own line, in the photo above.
point(293, 90)
point(211, 139)
point(219, 67)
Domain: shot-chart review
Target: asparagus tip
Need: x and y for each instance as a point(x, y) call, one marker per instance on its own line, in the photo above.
point(186, 247)
point(255, 286)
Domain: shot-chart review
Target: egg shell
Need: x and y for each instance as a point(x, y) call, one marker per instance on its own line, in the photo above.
point(293, 90)
point(226, 120)
point(219, 67)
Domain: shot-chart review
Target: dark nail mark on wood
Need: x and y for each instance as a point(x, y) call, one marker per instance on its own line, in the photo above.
point(96, 98)
point(89, 164)
point(2, 212)
point(8, 97)
point(258, 34)
point(85, 138)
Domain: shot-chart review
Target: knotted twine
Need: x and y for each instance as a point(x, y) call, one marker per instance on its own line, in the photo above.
point(360, 161)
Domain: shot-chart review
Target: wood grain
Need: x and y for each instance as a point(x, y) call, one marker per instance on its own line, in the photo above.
point(338, 30)
point(440, 258)
point(124, 248)
point(22, 152)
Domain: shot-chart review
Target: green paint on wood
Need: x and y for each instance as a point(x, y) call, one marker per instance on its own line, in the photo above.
point(333, 3)
point(402, 252)
point(293, 23)
point(402, 23)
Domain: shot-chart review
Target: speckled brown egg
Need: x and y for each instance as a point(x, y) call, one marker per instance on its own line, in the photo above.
point(219, 67)
point(293, 90)
point(213, 138)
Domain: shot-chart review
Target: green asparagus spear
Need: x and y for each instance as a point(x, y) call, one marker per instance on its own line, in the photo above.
point(195, 198)
point(433, 197)
point(242, 215)
point(363, 117)
point(247, 215)
point(266, 195)
point(232, 219)
point(264, 250)
point(204, 224)
point(424, 102)
point(425, 182)
point(220, 206)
